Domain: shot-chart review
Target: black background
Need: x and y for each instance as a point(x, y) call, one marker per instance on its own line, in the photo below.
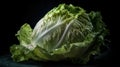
point(14, 13)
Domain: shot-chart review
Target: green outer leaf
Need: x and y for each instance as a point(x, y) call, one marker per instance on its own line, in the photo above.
point(24, 34)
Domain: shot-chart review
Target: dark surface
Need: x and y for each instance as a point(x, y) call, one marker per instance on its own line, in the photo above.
point(14, 13)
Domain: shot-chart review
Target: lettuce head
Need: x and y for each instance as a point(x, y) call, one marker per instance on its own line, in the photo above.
point(66, 32)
